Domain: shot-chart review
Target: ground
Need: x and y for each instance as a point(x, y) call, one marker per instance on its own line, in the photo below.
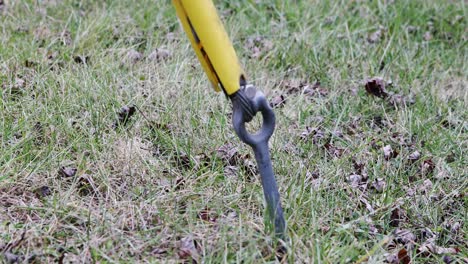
point(114, 147)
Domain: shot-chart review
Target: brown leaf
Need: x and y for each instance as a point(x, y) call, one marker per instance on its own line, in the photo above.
point(359, 166)
point(42, 33)
point(230, 171)
point(392, 259)
point(66, 38)
point(376, 87)
point(403, 257)
point(85, 185)
point(411, 29)
point(379, 185)
point(363, 200)
point(207, 215)
point(124, 115)
point(354, 180)
point(414, 156)
point(389, 153)
point(179, 184)
point(426, 186)
point(312, 175)
point(43, 191)
point(400, 100)
point(258, 46)
point(427, 167)
point(19, 83)
point(229, 153)
point(333, 150)
point(376, 36)
point(202, 160)
point(183, 160)
point(397, 217)
point(405, 237)
point(132, 57)
point(187, 249)
point(315, 133)
point(427, 36)
point(13, 258)
point(159, 55)
point(447, 259)
point(430, 247)
point(291, 86)
point(66, 172)
point(278, 101)
point(159, 251)
point(81, 59)
point(454, 227)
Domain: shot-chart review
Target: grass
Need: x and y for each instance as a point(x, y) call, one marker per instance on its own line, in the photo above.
point(158, 188)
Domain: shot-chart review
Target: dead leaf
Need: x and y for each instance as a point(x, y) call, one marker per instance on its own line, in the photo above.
point(411, 29)
point(389, 153)
point(376, 36)
point(43, 191)
point(19, 83)
point(81, 59)
point(291, 86)
point(202, 160)
point(430, 247)
point(405, 237)
point(42, 33)
point(312, 175)
point(427, 36)
point(400, 100)
point(363, 200)
point(414, 156)
point(207, 215)
point(159, 251)
point(66, 38)
point(183, 160)
point(179, 184)
point(379, 185)
point(159, 55)
point(278, 101)
point(333, 150)
point(376, 87)
point(316, 133)
point(132, 57)
point(447, 259)
point(427, 167)
point(354, 180)
point(230, 171)
point(187, 249)
point(67, 172)
point(124, 115)
point(454, 227)
point(85, 185)
point(397, 217)
point(426, 186)
point(13, 258)
point(258, 46)
point(229, 153)
point(403, 257)
point(392, 259)
point(359, 167)
point(249, 166)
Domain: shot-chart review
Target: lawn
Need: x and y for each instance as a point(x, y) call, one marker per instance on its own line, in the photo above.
point(115, 149)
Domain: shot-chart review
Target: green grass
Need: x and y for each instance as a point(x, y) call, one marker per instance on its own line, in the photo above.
point(140, 189)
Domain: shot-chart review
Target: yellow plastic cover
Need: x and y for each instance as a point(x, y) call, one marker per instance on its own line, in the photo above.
point(211, 43)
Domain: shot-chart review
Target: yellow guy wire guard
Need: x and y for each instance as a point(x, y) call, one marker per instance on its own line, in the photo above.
point(211, 44)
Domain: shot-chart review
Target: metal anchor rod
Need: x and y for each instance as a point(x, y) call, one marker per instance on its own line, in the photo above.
point(259, 144)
